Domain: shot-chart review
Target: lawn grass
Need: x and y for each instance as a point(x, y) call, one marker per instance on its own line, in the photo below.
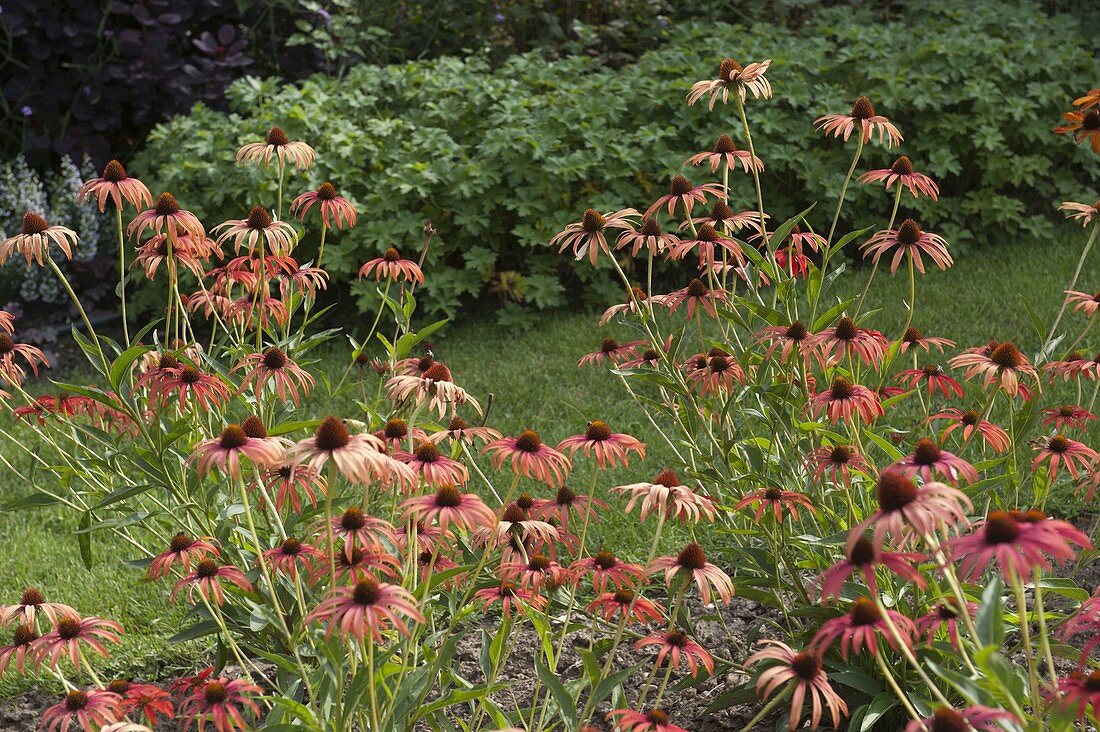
point(533, 377)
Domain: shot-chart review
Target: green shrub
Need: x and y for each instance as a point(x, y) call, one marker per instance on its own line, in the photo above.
point(501, 159)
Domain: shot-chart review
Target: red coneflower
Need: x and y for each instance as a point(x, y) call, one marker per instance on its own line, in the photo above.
point(805, 669)
point(448, 506)
point(1068, 415)
point(1060, 450)
point(1083, 125)
point(902, 173)
point(510, 598)
point(946, 614)
point(778, 500)
point(90, 710)
point(683, 193)
point(734, 77)
point(274, 365)
point(860, 627)
point(537, 572)
point(1017, 546)
point(35, 238)
point(906, 511)
point(225, 452)
point(118, 185)
point(530, 457)
point(667, 495)
point(33, 357)
point(183, 549)
point(359, 458)
point(611, 350)
point(189, 383)
point(564, 503)
point(1083, 212)
point(968, 422)
point(283, 148)
point(222, 702)
point(846, 338)
point(908, 239)
point(648, 236)
point(913, 338)
point(692, 562)
point(935, 378)
point(610, 448)
point(927, 458)
point(336, 210)
point(726, 151)
point(69, 632)
point(165, 217)
point(1087, 303)
point(626, 604)
point(459, 431)
point(368, 607)
point(290, 553)
point(605, 567)
point(150, 701)
point(837, 459)
point(862, 116)
point(434, 467)
point(997, 363)
point(696, 294)
point(207, 578)
point(864, 557)
point(843, 399)
point(587, 238)
point(705, 242)
point(435, 385)
point(391, 266)
point(977, 718)
point(676, 645)
point(655, 720)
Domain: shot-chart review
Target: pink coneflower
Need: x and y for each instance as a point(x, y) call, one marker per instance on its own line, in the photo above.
point(369, 607)
point(778, 500)
point(667, 495)
point(565, 502)
point(288, 378)
point(692, 562)
point(89, 710)
point(655, 720)
point(435, 386)
point(70, 631)
point(976, 718)
point(115, 183)
point(908, 239)
point(787, 338)
point(258, 232)
point(848, 339)
point(786, 665)
point(222, 702)
point(183, 549)
point(358, 564)
point(648, 357)
point(1087, 303)
point(968, 422)
point(391, 266)
point(705, 243)
point(359, 458)
point(1078, 691)
point(190, 384)
point(696, 294)
point(648, 236)
point(626, 604)
point(843, 399)
point(612, 351)
point(305, 281)
point(676, 645)
point(157, 251)
point(207, 578)
point(606, 568)
point(32, 602)
point(1083, 212)
point(361, 531)
point(530, 457)
point(726, 151)
point(291, 553)
point(723, 218)
point(610, 448)
point(935, 378)
point(1075, 365)
point(835, 459)
point(997, 363)
point(165, 217)
point(683, 193)
point(587, 237)
point(1060, 450)
point(516, 525)
point(863, 117)
point(1068, 415)
point(734, 77)
point(902, 173)
point(860, 627)
point(435, 468)
point(150, 701)
point(913, 338)
point(906, 511)
point(927, 458)
point(632, 306)
point(864, 557)
point(35, 239)
point(448, 506)
point(335, 210)
point(537, 572)
point(1018, 546)
point(278, 144)
point(459, 431)
point(946, 614)
point(31, 356)
point(225, 452)
point(19, 649)
point(510, 598)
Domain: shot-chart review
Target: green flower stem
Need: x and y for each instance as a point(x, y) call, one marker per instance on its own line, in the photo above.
point(83, 314)
point(890, 225)
point(1044, 640)
point(1072, 283)
point(1025, 640)
point(909, 708)
point(768, 708)
point(908, 653)
point(122, 276)
point(844, 191)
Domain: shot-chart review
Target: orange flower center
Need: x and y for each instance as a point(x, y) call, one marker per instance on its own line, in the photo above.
point(254, 428)
point(190, 375)
point(396, 429)
point(796, 331)
point(806, 665)
point(215, 692)
point(528, 441)
point(592, 221)
point(457, 423)
point(291, 546)
point(706, 233)
point(650, 227)
point(1006, 356)
point(353, 519)
point(206, 569)
point(597, 431)
point(845, 329)
point(427, 452)
point(437, 372)
point(970, 417)
point(367, 592)
point(76, 700)
point(392, 255)
point(7, 345)
point(538, 563)
point(841, 388)
point(166, 205)
point(326, 192)
point(1000, 528)
point(656, 716)
point(448, 496)
point(258, 218)
point(691, 557)
point(604, 560)
point(24, 635)
point(1058, 444)
point(180, 542)
point(696, 288)
point(927, 452)
point(680, 186)
point(68, 628)
point(729, 69)
point(565, 497)
point(864, 612)
point(113, 172)
point(667, 478)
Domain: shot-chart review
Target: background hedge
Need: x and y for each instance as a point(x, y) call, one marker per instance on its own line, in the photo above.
point(502, 157)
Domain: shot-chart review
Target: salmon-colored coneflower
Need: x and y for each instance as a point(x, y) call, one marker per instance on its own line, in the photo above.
point(733, 77)
point(783, 666)
point(901, 172)
point(277, 144)
point(864, 118)
point(35, 238)
point(336, 211)
point(116, 184)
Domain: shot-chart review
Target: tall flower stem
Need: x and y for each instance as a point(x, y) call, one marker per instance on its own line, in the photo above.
point(768, 709)
point(874, 269)
point(844, 191)
point(892, 682)
point(1044, 639)
point(1072, 283)
point(1025, 639)
point(83, 314)
point(122, 276)
point(908, 653)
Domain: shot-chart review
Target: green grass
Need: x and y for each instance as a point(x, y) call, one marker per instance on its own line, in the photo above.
point(534, 381)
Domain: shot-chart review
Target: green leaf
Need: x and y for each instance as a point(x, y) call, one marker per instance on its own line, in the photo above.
point(84, 539)
point(989, 621)
point(567, 705)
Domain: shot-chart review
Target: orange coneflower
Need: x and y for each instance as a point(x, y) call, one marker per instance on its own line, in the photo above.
point(1019, 547)
point(335, 210)
point(705, 242)
point(787, 338)
point(696, 294)
point(151, 701)
point(184, 252)
point(435, 468)
point(531, 457)
point(999, 364)
point(935, 378)
point(115, 183)
point(902, 173)
point(714, 371)
point(30, 355)
point(846, 338)
point(30, 604)
point(360, 458)
point(908, 239)
point(289, 480)
point(778, 500)
point(291, 553)
point(862, 116)
point(207, 578)
point(510, 598)
point(683, 193)
point(611, 350)
point(907, 511)
point(1083, 125)
point(35, 238)
point(913, 338)
point(968, 422)
point(586, 237)
point(843, 399)
point(89, 710)
point(676, 645)
point(258, 232)
point(834, 459)
point(927, 458)
point(605, 567)
point(667, 495)
point(449, 506)
point(1060, 450)
point(648, 236)
point(20, 649)
point(434, 386)
point(977, 718)
point(610, 448)
point(626, 604)
point(723, 218)
point(288, 378)
point(1067, 415)
point(278, 144)
point(225, 452)
point(945, 614)
point(734, 77)
point(457, 430)
point(183, 549)
point(1088, 303)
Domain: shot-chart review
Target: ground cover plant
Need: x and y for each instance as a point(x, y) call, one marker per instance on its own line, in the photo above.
point(884, 499)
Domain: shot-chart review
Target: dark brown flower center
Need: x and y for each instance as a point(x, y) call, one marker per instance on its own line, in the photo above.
point(258, 218)
point(728, 69)
point(773, 494)
point(609, 345)
point(566, 496)
point(902, 166)
point(604, 560)
point(691, 557)
point(840, 454)
point(724, 144)
point(970, 418)
point(285, 471)
point(679, 186)
point(396, 429)
point(862, 553)
point(1007, 356)
point(233, 437)
point(895, 491)
point(597, 431)
point(448, 496)
point(912, 335)
point(32, 597)
point(796, 331)
point(427, 452)
point(696, 288)
point(513, 514)
point(841, 388)
point(1058, 444)
point(706, 233)
point(945, 719)
point(254, 428)
point(76, 700)
point(33, 224)
point(1091, 121)
point(113, 172)
point(806, 665)
point(864, 612)
point(353, 519)
point(392, 255)
point(667, 478)
point(656, 716)
point(206, 569)
point(946, 612)
point(190, 375)
point(845, 329)
point(326, 192)
point(167, 361)
point(166, 205)
point(525, 501)
point(119, 686)
point(623, 597)
point(276, 137)
point(650, 354)
point(650, 227)
point(457, 423)
point(863, 109)
point(592, 221)
point(215, 692)
point(927, 452)
point(274, 359)
point(24, 635)
point(291, 546)
point(331, 435)
point(180, 542)
point(68, 628)
point(1092, 682)
point(720, 211)
point(909, 233)
point(7, 345)
point(932, 370)
point(528, 441)
point(367, 592)
point(538, 563)
point(1000, 528)
point(437, 372)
